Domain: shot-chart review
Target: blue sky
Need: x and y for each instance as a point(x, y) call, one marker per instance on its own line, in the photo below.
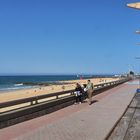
point(68, 36)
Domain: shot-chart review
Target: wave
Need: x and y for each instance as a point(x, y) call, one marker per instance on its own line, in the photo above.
point(15, 88)
point(21, 84)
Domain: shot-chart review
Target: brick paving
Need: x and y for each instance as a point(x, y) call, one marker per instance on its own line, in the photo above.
point(79, 122)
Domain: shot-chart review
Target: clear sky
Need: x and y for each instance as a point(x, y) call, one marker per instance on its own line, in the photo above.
point(68, 36)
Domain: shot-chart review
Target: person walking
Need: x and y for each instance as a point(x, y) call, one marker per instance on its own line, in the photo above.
point(89, 89)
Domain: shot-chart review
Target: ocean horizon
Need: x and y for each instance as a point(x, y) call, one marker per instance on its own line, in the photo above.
point(15, 82)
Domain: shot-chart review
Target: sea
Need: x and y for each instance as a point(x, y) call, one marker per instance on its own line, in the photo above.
point(8, 83)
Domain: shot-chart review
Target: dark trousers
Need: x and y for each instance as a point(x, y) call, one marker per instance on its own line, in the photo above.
point(84, 95)
point(79, 98)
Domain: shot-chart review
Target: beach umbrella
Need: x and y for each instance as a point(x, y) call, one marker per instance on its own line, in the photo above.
point(135, 5)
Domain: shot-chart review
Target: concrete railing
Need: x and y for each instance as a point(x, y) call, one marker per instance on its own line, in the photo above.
point(16, 111)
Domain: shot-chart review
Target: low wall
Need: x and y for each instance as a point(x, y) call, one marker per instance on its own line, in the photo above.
point(23, 114)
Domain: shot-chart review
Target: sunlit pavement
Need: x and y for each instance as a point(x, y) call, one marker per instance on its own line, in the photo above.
point(79, 122)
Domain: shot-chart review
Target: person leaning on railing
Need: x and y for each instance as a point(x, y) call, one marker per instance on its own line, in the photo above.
point(85, 96)
point(78, 93)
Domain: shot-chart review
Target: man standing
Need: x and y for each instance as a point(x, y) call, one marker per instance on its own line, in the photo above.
point(89, 89)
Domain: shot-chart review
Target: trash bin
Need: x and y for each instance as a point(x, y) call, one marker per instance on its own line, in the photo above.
point(138, 90)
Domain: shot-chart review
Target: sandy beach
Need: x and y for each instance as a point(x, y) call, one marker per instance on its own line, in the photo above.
point(25, 93)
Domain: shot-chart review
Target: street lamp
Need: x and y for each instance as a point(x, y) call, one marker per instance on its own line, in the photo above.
point(138, 32)
point(134, 5)
point(137, 57)
point(138, 90)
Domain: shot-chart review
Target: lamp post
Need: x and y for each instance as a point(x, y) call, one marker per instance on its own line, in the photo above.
point(138, 32)
point(135, 5)
point(138, 90)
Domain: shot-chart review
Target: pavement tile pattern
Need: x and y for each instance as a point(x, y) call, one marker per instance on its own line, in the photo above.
point(77, 122)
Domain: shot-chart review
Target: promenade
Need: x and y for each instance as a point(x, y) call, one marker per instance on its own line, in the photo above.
point(77, 122)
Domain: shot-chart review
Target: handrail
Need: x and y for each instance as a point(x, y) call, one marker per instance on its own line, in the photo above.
point(31, 99)
point(36, 98)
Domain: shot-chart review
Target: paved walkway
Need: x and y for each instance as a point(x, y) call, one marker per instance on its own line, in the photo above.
point(77, 122)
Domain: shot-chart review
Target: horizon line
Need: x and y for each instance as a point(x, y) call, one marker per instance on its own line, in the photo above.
point(51, 74)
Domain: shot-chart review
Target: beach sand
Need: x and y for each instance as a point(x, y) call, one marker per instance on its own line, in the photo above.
point(25, 93)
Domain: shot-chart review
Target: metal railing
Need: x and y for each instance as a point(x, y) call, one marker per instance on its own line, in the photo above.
point(51, 96)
